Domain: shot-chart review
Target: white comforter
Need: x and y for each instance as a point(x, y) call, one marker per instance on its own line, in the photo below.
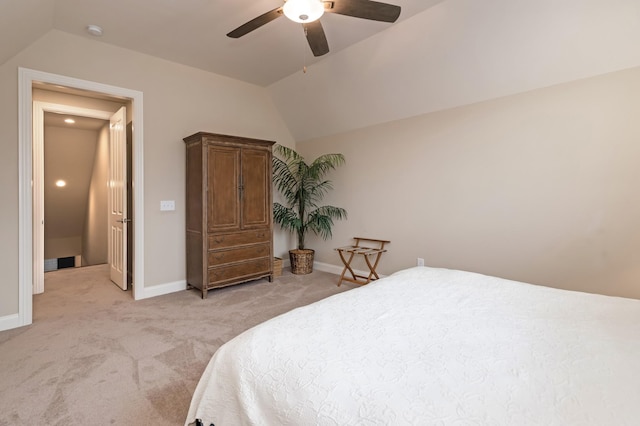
point(431, 346)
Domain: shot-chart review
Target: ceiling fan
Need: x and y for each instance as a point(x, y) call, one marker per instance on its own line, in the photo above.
point(308, 13)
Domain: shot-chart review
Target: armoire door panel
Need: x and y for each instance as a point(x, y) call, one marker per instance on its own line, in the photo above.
point(256, 204)
point(223, 188)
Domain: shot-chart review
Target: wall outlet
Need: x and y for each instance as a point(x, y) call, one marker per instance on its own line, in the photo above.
point(168, 205)
point(420, 261)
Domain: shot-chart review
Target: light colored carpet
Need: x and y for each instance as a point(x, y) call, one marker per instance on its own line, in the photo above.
point(95, 356)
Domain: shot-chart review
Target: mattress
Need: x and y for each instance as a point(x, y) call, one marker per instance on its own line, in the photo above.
point(429, 346)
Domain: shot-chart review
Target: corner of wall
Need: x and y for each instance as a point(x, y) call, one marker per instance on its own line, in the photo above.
point(160, 289)
point(10, 321)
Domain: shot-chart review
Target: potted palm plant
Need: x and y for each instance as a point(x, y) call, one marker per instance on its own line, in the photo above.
point(303, 186)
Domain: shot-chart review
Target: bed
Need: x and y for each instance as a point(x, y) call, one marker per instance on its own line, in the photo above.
point(429, 346)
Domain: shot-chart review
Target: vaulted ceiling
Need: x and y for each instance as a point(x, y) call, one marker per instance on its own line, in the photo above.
point(440, 54)
point(192, 32)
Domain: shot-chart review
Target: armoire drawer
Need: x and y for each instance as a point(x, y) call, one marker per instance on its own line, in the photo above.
point(239, 238)
point(234, 271)
point(220, 257)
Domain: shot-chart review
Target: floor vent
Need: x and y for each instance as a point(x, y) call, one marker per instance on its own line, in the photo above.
point(59, 263)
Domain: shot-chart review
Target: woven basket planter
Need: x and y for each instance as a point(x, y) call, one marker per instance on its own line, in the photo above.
point(301, 261)
point(277, 267)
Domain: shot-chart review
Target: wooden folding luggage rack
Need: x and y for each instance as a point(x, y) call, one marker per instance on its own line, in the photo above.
point(347, 253)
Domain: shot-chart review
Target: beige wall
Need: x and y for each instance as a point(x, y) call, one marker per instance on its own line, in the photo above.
point(178, 101)
point(540, 187)
point(68, 154)
point(62, 247)
point(94, 235)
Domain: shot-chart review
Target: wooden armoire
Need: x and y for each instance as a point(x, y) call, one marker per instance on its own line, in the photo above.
point(228, 210)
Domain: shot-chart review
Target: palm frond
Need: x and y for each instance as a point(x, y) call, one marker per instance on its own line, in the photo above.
point(321, 220)
point(325, 163)
point(286, 217)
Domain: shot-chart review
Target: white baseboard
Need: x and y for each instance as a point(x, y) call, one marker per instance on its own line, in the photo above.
point(327, 267)
point(8, 322)
point(161, 289)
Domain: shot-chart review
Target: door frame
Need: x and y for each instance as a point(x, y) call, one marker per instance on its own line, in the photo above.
point(26, 78)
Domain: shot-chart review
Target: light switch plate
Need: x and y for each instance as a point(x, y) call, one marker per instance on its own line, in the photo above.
point(167, 205)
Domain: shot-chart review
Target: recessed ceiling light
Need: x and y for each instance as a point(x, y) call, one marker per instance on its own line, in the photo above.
point(94, 30)
point(60, 183)
point(69, 120)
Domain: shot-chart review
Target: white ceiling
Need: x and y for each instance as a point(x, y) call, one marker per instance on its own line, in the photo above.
point(448, 54)
point(457, 53)
point(192, 32)
point(52, 119)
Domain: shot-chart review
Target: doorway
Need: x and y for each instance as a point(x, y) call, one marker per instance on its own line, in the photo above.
point(83, 182)
point(28, 156)
point(76, 163)
point(74, 170)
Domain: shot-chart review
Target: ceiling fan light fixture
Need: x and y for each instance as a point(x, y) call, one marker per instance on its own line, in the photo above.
point(303, 11)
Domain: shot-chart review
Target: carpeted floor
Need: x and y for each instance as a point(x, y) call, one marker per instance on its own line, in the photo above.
point(95, 356)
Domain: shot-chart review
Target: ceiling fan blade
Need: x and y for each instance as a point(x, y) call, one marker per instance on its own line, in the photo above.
point(365, 9)
point(316, 38)
point(256, 23)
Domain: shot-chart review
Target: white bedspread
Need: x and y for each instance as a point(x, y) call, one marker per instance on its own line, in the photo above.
point(431, 346)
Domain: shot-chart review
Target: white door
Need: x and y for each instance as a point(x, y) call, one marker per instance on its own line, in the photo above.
point(118, 221)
